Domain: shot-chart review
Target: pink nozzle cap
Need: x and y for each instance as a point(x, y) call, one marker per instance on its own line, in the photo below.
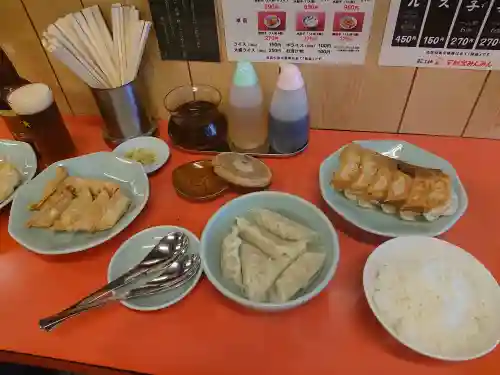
point(290, 77)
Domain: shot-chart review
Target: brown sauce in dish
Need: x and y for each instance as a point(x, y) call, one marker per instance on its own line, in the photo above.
point(198, 181)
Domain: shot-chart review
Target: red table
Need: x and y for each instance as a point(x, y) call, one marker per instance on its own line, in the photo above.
point(335, 333)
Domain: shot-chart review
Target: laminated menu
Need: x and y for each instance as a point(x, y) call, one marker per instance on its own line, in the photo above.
point(300, 31)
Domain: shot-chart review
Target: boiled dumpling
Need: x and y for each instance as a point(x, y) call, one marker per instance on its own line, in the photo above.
point(230, 257)
point(270, 244)
point(281, 226)
point(297, 276)
point(259, 272)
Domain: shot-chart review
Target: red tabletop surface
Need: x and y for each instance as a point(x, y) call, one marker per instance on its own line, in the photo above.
point(335, 333)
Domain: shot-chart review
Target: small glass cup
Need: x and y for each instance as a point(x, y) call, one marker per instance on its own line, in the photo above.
point(195, 120)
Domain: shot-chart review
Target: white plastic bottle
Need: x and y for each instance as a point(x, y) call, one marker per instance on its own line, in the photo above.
point(289, 112)
point(246, 114)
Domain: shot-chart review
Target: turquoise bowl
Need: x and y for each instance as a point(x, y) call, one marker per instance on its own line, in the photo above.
point(377, 222)
point(292, 207)
point(101, 165)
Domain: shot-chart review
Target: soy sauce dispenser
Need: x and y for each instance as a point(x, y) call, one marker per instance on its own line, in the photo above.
point(289, 112)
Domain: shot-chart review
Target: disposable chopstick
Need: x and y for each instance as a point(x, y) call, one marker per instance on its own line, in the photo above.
point(117, 21)
point(103, 28)
point(145, 27)
point(99, 40)
point(55, 33)
point(72, 63)
point(104, 61)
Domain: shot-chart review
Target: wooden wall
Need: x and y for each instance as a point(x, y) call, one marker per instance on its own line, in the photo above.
point(367, 97)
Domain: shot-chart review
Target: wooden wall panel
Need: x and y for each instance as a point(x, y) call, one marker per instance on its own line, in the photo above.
point(156, 77)
point(365, 97)
point(77, 92)
point(485, 120)
point(340, 97)
point(22, 45)
point(441, 101)
point(220, 75)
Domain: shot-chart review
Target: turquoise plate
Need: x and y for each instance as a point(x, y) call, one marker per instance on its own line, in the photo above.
point(132, 251)
point(102, 165)
point(378, 222)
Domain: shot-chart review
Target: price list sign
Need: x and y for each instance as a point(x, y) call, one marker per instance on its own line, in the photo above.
point(301, 31)
point(462, 34)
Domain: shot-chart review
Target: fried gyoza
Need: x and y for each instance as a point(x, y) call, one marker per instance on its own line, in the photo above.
point(349, 168)
point(51, 209)
point(78, 204)
point(51, 187)
point(372, 179)
point(10, 178)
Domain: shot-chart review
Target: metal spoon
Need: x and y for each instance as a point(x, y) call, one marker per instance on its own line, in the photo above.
point(166, 251)
point(185, 270)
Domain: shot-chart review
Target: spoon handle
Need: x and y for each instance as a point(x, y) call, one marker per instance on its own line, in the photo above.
point(50, 322)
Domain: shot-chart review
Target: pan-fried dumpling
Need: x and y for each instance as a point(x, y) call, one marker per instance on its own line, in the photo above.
point(270, 244)
point(74, 211)
point(92, 214)
point(9, 179)
point(51, 187)
point(230, 257)
point(52, 209)
point(349, 168)
point(297, 276)
point(95, 186)
point(399, 189)
point(114, 210)
point(281, 226)
point(259, 272)
point(369, 168)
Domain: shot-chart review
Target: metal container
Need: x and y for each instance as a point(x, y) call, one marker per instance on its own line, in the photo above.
point(124, 115)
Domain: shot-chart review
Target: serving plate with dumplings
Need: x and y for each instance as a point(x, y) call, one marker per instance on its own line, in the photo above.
point(269, 251)
point(78, 203)
point(393, 188)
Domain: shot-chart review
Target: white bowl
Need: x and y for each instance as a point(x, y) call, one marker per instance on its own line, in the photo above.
point(157, 145)
point(22, 156)
point(412, 249)
point(289, 205)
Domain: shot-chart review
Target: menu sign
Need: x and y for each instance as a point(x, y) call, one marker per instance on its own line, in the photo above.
point(186, 29)
point(443, 33)
point(334, 31)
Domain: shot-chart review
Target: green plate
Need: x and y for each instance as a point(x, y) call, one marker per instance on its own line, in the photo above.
point(102, 165)
point(378, 222)
point(22, 156)
point(132, 251)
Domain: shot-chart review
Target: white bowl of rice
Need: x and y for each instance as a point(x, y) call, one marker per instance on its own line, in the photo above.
point(434, 297)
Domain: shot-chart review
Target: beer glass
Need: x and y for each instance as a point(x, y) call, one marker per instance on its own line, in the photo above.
point(34, 103)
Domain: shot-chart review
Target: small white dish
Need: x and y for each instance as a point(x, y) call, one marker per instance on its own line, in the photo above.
point(456, 284)
point(156, 145)
point(132, 251)
point(22, 156)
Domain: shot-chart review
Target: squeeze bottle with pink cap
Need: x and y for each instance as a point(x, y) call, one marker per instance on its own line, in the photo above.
point(289, 112)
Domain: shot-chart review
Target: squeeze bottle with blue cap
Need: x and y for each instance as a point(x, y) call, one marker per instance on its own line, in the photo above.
point(246, 114)
point(289, 112)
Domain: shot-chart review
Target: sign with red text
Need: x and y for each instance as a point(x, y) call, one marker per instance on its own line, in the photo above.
point(300, 31)
point(463, 34)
